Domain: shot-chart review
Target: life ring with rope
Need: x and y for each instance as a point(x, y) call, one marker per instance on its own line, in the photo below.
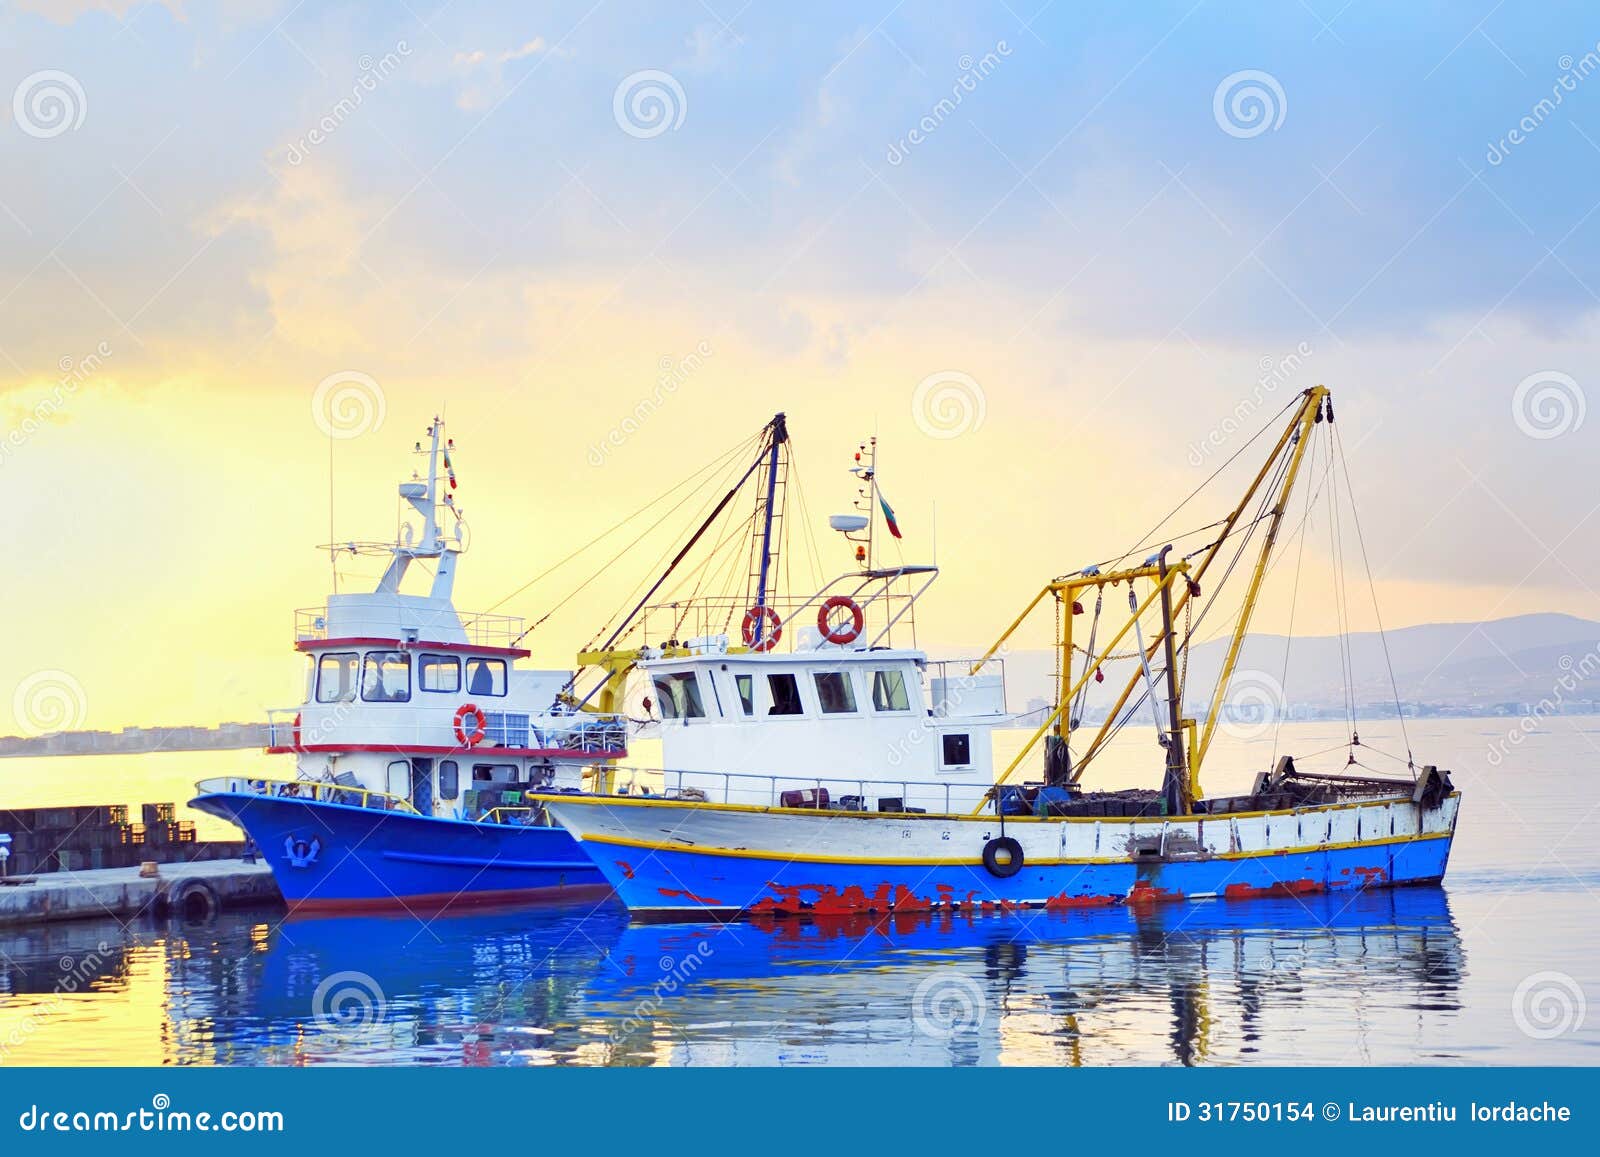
point(846, 632)
point(480, 722)
point(770, 636)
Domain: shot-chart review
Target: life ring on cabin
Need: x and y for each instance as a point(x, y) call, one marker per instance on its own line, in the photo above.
point(1002, 857)
point(294, 734)
point(841, 635)
point(769, 637)
point(480, 721)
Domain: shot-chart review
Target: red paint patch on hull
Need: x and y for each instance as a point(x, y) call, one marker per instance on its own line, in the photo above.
point(1061, 902)
point(674, 894)
point(1282, 888)
point(1144, 893)
point(625, 868)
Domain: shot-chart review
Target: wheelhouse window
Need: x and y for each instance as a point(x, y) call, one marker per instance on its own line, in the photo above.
point(957, 750)
point(834, 693)
point(747, 692)
point(889, 691)
point(449, 779)
point(336, 677)
point(386, 677)
point(785, 691)
point(439, 673)
point(680, 696)
point(486, 676)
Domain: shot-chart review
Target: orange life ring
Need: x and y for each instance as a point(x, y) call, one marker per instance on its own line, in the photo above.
point(769, 637)
point(479, 722)
point(841, 635)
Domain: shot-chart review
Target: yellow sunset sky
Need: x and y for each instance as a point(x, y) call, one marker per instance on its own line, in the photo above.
point(482, 236)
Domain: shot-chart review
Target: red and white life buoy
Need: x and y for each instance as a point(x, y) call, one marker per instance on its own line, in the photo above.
point(844, 632)
point(294, 735)
point(479, 721)
point(769, 636)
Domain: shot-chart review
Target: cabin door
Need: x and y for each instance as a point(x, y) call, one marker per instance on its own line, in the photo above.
point(422, 785)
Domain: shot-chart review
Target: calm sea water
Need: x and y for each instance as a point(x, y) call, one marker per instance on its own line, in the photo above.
point(1495, 967)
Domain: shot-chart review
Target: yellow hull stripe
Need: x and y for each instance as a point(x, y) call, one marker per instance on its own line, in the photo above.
point(910, 862)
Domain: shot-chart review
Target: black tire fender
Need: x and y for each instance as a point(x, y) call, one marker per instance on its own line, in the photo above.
point(194, 900)
point(1002, 857)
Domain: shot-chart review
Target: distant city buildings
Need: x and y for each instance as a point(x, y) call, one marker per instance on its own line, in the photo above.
point(137, 740)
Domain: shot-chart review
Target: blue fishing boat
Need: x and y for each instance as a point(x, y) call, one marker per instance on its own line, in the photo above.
point(418, 740)
point(742, 846)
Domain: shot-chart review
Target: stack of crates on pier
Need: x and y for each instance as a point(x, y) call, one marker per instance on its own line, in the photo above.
point(66, 839)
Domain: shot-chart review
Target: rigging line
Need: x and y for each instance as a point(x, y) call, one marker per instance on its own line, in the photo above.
point(1270, 424)
point(716, 463)
point(809, 527)
point(710, 489)
point(607, 565)
point(1372, 587)
point(694, 538)
point(1342, 604)
point(1294, 600)
point(703, 571)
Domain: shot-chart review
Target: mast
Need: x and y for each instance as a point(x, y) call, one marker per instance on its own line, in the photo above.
point(1175, 786)
point(1309, 414)
point(780, 434)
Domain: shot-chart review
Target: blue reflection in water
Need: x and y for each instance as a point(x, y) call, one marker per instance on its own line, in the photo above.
point(1374, 977)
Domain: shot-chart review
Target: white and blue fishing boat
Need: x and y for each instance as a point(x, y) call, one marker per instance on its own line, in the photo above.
point(418, 740)
point(838, 718)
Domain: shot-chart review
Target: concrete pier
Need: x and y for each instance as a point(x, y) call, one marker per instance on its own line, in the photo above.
point(198, 889)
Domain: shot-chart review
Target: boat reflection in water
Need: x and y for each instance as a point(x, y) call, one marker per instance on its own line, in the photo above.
point(1367, 977)
point(1190, 984)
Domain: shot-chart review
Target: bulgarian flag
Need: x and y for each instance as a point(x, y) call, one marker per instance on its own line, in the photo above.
point(888, 516)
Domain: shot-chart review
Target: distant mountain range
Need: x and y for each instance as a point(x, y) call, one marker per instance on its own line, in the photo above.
point(1502, 667)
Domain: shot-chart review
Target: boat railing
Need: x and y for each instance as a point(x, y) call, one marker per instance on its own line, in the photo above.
point(332, 726)
point(883, 604)
point(481, 629)
point(320, 791)
point(830, 793)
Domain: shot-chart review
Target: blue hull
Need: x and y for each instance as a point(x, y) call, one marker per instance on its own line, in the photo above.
point(679, 884)
point(330, 857)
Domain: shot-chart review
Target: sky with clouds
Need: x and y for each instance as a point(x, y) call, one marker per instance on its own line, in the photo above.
point(1097, 228)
